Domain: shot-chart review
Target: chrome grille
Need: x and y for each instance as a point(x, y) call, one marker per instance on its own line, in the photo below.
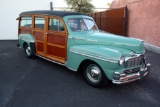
point(132, 62)
point(130, 71)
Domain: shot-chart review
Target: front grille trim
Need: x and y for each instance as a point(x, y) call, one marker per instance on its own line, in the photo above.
point(133, 61)
point(130, 71)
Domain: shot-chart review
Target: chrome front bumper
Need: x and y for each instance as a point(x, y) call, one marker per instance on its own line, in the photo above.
point(123, 78)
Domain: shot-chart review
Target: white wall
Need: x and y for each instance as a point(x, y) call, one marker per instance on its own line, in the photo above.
point(9, 11)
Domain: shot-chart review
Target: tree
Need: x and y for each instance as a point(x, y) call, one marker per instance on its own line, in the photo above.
point(82, 6)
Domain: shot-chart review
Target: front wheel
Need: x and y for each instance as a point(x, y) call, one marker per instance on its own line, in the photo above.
point(94, 75)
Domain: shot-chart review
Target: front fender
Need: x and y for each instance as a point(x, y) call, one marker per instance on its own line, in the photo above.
point(106, 57)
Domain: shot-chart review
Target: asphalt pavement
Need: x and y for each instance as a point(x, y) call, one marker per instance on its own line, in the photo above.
point(39, 83)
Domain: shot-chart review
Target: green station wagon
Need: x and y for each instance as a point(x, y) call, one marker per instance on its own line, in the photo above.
point(73, 40)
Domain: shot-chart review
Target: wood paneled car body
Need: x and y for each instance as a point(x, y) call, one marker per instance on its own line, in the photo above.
point(73, 40)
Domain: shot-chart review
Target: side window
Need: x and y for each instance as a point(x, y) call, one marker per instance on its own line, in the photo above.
point(39, 22)
point(73, 24)
point(55, 25)
point(77, 24)
point(26, 22)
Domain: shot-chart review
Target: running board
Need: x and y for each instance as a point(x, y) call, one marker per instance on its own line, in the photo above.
point(50, 60)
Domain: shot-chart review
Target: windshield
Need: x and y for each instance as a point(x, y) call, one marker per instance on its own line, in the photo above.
point(81, 24)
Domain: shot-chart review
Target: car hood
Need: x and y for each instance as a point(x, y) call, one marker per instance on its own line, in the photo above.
point(103, 38)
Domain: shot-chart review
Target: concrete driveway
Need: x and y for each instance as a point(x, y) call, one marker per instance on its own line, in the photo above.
point(38, 83)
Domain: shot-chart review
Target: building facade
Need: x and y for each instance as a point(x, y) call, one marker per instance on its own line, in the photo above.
point(143, 19)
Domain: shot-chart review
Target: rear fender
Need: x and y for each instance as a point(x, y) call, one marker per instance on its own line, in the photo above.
point(29, 40)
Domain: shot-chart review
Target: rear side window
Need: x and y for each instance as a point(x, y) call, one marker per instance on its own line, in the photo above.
point(39, 22)
point(26, 22)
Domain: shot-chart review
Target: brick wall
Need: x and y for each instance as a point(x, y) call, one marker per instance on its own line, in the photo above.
point(143, 19)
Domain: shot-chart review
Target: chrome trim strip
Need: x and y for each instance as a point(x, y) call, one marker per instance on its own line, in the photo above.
point(125, 81)
point(90, 40)
point(136, 56)
point(78, 38)
point(50, 60)
point(93, 56)
point(70, 37)
point(137, 39)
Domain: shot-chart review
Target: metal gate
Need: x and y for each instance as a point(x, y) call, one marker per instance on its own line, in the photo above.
point(112, 20)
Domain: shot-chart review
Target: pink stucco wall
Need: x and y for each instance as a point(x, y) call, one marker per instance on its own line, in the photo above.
point(143, 19)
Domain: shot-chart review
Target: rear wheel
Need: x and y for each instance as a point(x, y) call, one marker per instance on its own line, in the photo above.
point(28, 51)
point(94, 75)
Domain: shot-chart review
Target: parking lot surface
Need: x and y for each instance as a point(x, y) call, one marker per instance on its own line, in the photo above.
point(38, 83)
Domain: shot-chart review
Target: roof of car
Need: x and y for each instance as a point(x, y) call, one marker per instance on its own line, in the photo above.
point(49, 12)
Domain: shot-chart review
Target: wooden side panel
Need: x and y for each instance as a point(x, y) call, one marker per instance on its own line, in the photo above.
point(56, 39)
point(56, 51)
point(40, 46)
point(38, 24)
point(39, 36)
point(25, 31)
point(50, 43)
point(56, 44)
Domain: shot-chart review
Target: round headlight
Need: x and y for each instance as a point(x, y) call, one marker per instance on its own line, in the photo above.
point(121, 60)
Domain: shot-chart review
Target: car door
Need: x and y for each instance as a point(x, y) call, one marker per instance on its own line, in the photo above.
point(39, 35)
point(56, 39)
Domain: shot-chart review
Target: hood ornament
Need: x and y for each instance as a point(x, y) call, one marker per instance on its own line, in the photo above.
point(132, 54)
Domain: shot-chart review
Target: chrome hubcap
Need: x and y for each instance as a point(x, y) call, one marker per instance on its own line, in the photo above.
point(94, 73)
point(28, 51)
